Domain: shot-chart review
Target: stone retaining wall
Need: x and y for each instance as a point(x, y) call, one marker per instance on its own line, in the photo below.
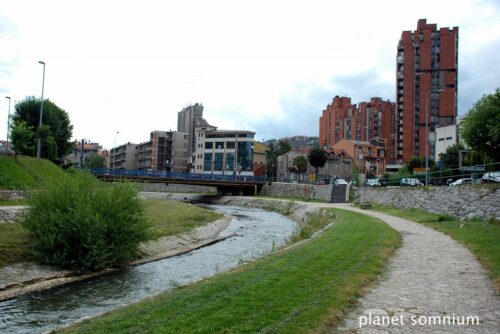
point(12, 195)
point(463, 202)
point(307, 191)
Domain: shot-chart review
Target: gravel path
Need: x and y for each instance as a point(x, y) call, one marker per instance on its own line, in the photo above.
point(432, 285)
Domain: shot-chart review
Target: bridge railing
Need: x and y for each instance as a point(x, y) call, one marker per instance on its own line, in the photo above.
point(176, 175)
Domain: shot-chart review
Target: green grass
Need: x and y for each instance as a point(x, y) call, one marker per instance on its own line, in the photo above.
point(12, 203)
point(27, 173)
point(14, 243)
point(482, 238)
point(167, 218)
point(298, 290)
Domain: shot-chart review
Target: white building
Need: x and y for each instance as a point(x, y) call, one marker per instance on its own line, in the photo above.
point(445, 137)
point(223, 152)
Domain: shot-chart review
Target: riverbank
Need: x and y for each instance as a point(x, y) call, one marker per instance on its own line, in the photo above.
point(185, 227)
point(304, 288)
point(27, 277)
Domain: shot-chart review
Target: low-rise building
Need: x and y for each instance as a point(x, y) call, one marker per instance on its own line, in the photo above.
point(259, 159)
point(82, 150)
point(338, 163)
point(369, 158)
point(446, 136)
point(157, 153)
point(123, 156)
point(223, 151)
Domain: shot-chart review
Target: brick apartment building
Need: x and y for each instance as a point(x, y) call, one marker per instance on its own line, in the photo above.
point(371, 121)
point(426, 83)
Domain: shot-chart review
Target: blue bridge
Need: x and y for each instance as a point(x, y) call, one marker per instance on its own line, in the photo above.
point(227, 184)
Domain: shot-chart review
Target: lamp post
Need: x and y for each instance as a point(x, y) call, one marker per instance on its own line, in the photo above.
point(39, 145)
point(8, 123)
point(427, 134)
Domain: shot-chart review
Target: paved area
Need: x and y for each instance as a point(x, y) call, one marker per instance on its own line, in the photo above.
point(433, 285)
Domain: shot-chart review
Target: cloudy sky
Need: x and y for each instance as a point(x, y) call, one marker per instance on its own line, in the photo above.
point(266, 66)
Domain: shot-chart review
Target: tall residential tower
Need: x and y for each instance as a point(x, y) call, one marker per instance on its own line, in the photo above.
point(426, 87)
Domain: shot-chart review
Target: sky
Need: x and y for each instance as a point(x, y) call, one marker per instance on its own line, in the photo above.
point(122, 69)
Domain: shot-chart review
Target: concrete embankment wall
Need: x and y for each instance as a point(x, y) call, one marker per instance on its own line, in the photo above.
point(184, 188)
point(463, 202)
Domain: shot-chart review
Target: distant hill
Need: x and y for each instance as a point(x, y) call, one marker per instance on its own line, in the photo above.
point(27, 173)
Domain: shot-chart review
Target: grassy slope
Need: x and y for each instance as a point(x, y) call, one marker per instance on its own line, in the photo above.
point(481, 237)
point(26, 173)
point(167, 218)
point(308, 287)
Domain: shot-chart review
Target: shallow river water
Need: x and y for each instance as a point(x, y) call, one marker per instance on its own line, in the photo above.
point(257, 233)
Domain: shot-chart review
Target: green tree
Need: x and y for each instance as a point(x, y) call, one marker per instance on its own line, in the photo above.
point(481, 126)
point(317, 157)
point(283, 147)
point(22, 136)
point(94, 160)
point(56, 130)
point(300, 164)
point(450, 157)
point(271, 159)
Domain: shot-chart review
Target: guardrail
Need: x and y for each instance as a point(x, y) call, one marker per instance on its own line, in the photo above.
point(177, 176)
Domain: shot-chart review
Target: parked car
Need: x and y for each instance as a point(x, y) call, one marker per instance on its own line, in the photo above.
point(337, 182)
point(491, 177)
point(373, 182)
point(465, 180)
point(410, 182)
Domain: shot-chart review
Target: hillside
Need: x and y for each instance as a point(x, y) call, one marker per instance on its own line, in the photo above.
point(27, 173)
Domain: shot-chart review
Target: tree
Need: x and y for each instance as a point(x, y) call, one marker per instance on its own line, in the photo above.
point(55, 132)
point(300, 164)
point(450, 157)
point(94, 160)
point(317, 157)
point(22, 136)
point(271, 160)
point(481, 126)
point(283, 147)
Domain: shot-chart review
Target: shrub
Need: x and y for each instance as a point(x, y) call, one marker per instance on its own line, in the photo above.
point(80, 224)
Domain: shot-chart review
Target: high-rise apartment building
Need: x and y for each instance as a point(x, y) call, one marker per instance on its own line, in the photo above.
point(426, 87)
point(371, 121)
point(187, 119)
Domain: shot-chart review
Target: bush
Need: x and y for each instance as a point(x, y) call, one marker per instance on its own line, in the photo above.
point(81, 224)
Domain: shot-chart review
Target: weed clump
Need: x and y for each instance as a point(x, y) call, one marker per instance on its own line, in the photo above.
point(78, 223)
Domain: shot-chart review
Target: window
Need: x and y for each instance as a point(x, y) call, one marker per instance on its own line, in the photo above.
point(218, 161)
point(209, 145)
point(219, 145)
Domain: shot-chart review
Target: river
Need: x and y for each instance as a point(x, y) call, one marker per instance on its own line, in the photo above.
point(257, 232)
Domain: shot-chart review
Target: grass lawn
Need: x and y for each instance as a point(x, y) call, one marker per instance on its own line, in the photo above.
point(12, 203)
point(302, 289)
point(481, 237)
point(14, 243)
point(167, 218)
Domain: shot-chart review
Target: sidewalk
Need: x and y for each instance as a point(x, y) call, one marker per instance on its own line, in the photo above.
point(431, 286)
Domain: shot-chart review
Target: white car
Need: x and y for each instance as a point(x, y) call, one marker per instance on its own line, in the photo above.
point(491, 177)
point(466, 180)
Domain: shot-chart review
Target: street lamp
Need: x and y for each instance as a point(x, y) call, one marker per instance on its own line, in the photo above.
point(8, 123)
point(39, 145)
point(427, 135)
